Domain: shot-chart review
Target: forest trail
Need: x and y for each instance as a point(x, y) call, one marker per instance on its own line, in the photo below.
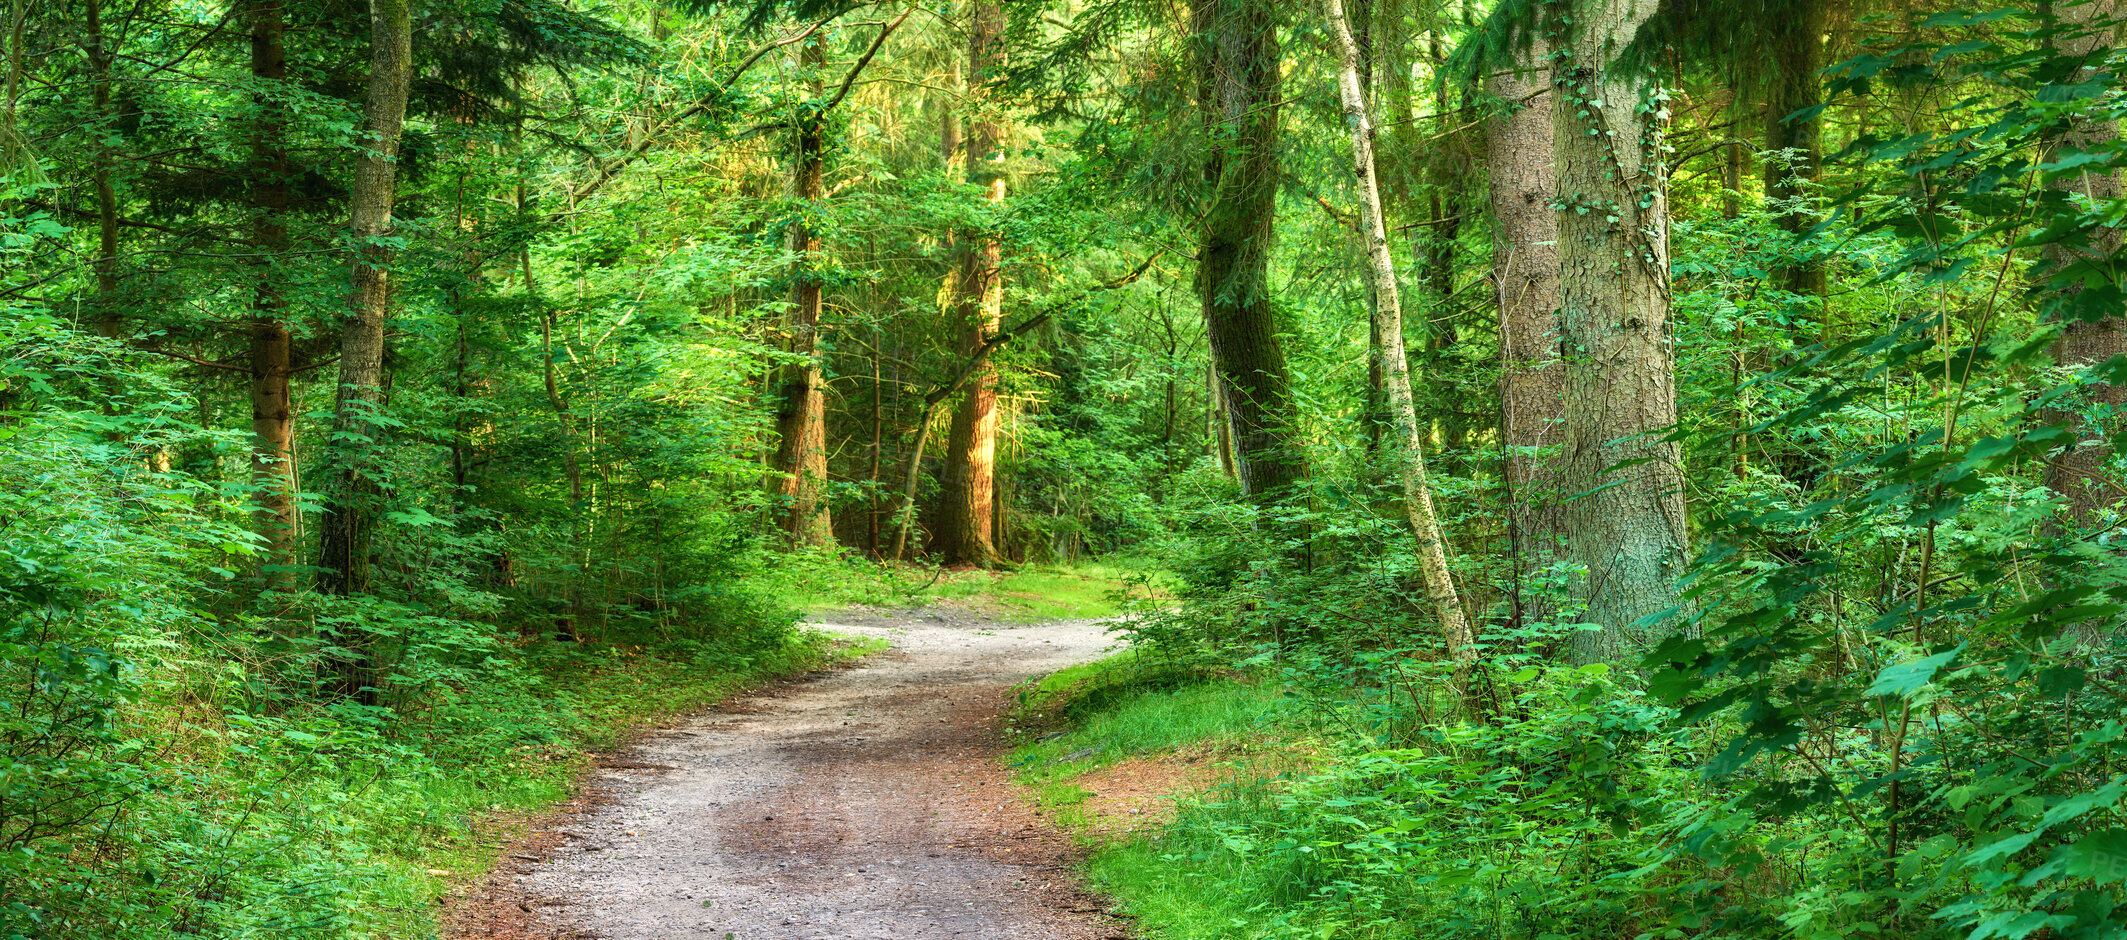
point(863, 803)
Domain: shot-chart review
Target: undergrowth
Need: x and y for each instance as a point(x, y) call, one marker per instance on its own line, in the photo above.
point(345, 821)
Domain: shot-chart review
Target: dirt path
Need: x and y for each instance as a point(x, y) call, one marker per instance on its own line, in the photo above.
point(863, 804)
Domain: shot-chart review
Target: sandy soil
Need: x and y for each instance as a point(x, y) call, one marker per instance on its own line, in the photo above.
point(865, 803)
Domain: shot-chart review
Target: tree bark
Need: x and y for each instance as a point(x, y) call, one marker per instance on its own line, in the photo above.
point(1627, 525)
point(2081, 474)
point(350, 508)
point(1431, 543)
point(96, 48)
point(966, 515)
point(1797, 48)
point(1525, 275)
point(1238, 91)
point(272, 411)
point(801, 418)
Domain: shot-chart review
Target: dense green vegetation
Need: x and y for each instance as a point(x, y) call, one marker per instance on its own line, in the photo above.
point(1644, 469)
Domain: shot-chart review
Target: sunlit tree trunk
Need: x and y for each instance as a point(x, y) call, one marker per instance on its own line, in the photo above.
point(1796, 46)
point(1525, 276)
point(1627, 526)
point(2082, 474)
point(966, 515)
point(1238, 91)
point(272, 412)
point(801, 416)
point(1388, 322)
point(350, 508)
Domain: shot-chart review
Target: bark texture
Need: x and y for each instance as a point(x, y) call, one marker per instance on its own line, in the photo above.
point(1626, 517)
point(96, 48)
point(801, 415)
point(272, 412)
point(1532, 377)
point(1238, 91)
point(1431, 543)
point(351, 504)
point(2082, 474)
point(1794, 141)
point(966, 517)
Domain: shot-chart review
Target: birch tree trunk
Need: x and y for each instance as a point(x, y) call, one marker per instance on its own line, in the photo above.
point(1395, 366)
point(1626, 521)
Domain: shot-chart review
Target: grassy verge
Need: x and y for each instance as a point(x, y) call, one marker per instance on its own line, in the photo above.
point(1173, 723)
point(827, 582)
point(296, 819)
point(1328, 826)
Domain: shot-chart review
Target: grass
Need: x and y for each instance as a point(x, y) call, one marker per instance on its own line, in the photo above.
point(821, 583)
point(1086, 717)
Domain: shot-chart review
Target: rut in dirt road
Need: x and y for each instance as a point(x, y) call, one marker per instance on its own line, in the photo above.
point(863, 805)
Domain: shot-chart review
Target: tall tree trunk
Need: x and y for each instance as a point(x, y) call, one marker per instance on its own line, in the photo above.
point(2081, 474)
point(1797, 48)
point(96, 48)
point(1238, 91)
point(801, 417)
point(351, 504)
point(1388, 321)
point(1525, 275)
point(1628, 527)
point(272, 412)
point(965, 517)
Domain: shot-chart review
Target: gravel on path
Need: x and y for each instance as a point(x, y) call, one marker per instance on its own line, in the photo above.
point(863, 804)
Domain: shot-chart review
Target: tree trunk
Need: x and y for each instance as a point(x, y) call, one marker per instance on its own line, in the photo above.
point(1431, 543)
point(801, 417)
point(1531, 377)
point(1238, 91)
point(1797, 48)
point(350, 508)
point(272, 412)
point(965, 517)
point(96, 48)
point(2081, 474)
point(1628, 527)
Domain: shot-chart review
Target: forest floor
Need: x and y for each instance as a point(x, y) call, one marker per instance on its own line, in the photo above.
point(866, 802)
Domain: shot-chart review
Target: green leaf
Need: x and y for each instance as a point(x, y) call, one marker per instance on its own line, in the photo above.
point(1907, 678)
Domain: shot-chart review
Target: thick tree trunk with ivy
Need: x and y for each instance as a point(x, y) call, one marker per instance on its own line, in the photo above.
point(1525, 278)
point(272, 361)
point(1238, 91)
point(1626, 517)
point(966, 517)
point(1430, 541)
point(1796, 45)
point(351, 500)
point(2082, 474)
point(801, 415)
